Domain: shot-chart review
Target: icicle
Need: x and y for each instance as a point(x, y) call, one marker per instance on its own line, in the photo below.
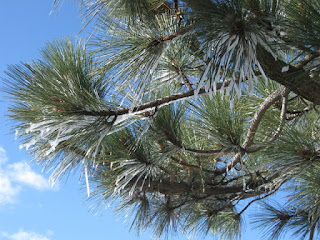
point(207, 86)
point(34, 126)
point(244, 183)
point(238, 90)
point(243, 178)
point(250, 88)
point(262, 72)
point(254, 39)
point(196, 92)
point(231, 103)
point(111, 165)
point(103, 135)
point(87, 180)
point(210, 93)
point(16, 133)
point(215, 87)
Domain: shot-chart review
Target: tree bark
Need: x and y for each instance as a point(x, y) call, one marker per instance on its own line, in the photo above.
point(296, 78)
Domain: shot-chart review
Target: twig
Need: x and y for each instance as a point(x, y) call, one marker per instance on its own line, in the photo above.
point(307, 59)
point(313, 226)
point(202, 152)
point(176, 5)
point(295, 114)
point(184, 163)
point(259, 198)
point(147, 106)
point(180, 71)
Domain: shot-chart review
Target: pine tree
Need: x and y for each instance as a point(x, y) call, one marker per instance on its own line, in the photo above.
point(181, 111)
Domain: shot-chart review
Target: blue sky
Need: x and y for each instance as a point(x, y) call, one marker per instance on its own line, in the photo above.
point(30, 209)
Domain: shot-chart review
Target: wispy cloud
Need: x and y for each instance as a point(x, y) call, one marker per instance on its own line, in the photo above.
point(22, 235)
point(21, 172)
point(8, 192)
point(16, 175)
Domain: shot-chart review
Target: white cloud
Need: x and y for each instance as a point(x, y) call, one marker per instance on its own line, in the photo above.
point(16, 175)
point(21, 172)
point(3, 156)
point(7, 191)
point(22, 235)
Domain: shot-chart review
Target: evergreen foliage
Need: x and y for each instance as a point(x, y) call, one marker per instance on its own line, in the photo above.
point(181, 111)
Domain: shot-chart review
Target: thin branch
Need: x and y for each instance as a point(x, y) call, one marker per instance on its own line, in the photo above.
point(312, 229)
point(257, 173)
point(170, 173)
point(307, 59)
point(170, 187)
point(229, 203)
point(259, 198)
point(176, 5)
point(202, 152)
point(173, 36)
point(180, 71)
point(295, 114)
point(149, 105)
point(185, 164)
point(293, 98)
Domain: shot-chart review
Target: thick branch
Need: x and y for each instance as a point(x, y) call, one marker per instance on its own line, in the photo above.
point(252, 129)
point(282, 116)
point(169, 187)
point(296, 78)
point(260, 113)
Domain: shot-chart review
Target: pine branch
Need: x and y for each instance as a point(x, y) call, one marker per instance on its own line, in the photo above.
point(176, 5)
point(267, 103)
point(307, 59)
point(202, 152)
point(282, 115)
point(184, 163)
point(150, 105)
point(312, 229)
point(180, 72)
point(167, 171)
point(257, 199)
point(176, 35)
point(252, 129)
point(198, 188)
point(169, 187)
point(296, 78)
point(298, 113)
